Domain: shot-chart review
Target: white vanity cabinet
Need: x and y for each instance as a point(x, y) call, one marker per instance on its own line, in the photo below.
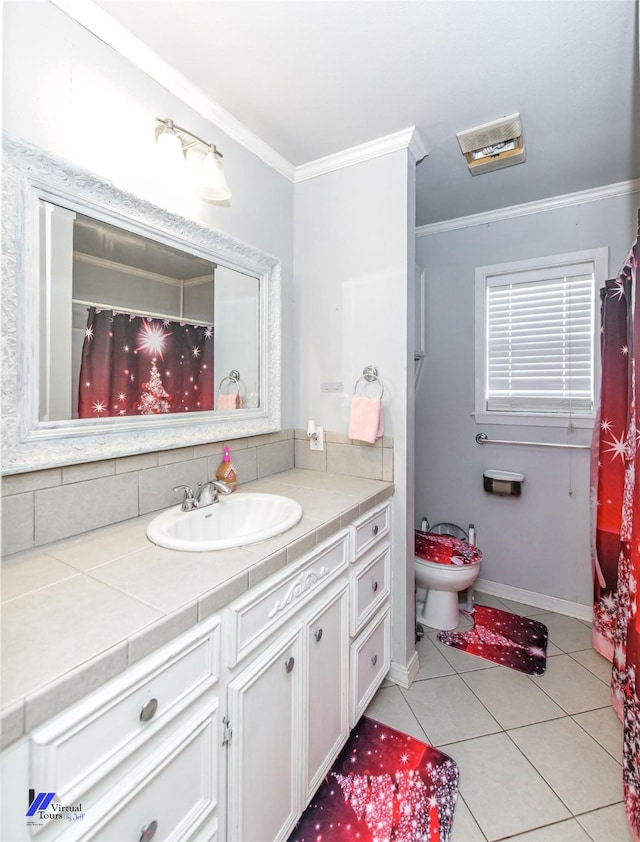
point(288, 706)
point(370, 613)
point(319, 640)
point(135, 760)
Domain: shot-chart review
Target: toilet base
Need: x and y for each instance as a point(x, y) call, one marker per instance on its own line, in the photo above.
point(439, 611)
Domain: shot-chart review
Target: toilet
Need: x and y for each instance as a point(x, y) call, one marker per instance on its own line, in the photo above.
point(444, 566)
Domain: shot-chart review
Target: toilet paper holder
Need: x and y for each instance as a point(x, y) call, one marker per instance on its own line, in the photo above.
point(504, 483)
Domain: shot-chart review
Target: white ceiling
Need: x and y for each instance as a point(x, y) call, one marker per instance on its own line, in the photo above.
point(315, 77)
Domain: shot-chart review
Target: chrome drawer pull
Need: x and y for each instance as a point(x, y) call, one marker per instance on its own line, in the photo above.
point(318, 635)
point(375, 529)
point(148, 711)
point(289, 664)
point(374, 586)
point(148, 831)
point(374, 660)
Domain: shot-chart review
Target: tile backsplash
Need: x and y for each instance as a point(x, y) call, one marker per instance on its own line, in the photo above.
point(45, 506)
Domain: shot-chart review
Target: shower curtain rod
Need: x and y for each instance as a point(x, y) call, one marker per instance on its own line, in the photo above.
point(483, 438)
point(146, 314)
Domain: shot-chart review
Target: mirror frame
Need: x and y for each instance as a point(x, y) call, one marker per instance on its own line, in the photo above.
point(30, 175)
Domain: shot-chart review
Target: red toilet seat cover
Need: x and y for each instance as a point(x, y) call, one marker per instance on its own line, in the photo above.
point(445, 549)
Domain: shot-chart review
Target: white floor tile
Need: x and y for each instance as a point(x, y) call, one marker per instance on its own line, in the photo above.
point(567, 633)
point(572, 686)
point(522, 609)
point(595, 663)
point(511, 697)
point(503, 791)
point(448, 711)
point(607, 825)
point(569, 831)
point(577, 768)
point(605, 727)
point(390, 707)
point(432, 662)
point(464, 827)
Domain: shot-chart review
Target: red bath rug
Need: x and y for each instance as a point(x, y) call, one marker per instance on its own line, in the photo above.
point(385, 786)
point(504, 638)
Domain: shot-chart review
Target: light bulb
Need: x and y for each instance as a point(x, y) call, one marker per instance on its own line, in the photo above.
point(214, 187)
point(169, 145)
point(170, 155)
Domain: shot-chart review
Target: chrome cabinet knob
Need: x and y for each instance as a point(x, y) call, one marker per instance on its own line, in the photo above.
point(148, 710)
point(375, 529)
point(374, 586)
point(374, 660)
point(289, 664)
point(318, 635)
point(148, 831)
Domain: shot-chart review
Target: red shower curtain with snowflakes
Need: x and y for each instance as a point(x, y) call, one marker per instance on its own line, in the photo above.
point(132, 365)
point(616, 498)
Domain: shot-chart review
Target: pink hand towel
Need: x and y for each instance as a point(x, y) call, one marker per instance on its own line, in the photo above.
point(365, 419)
point(233, 401)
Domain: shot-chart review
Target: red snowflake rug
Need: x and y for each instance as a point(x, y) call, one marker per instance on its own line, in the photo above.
point(504, 638)
point(385, 786)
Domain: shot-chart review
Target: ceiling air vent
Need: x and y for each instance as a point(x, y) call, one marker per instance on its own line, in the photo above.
point(494, 145)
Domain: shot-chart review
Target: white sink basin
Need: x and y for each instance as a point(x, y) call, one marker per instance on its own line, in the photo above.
point(234, 521)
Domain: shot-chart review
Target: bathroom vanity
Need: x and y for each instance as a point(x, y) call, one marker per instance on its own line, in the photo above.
point(225, 731)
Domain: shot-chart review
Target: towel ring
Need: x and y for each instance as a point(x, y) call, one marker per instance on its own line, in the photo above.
point(234, 377)
point(370, 374)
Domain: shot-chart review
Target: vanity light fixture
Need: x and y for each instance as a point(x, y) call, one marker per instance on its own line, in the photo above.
point(174, 140)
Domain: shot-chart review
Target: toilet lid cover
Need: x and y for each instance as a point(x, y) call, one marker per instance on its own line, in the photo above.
point(445, 549)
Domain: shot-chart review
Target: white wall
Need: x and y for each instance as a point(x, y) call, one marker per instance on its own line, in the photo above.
point(67, 92)
point(354, 244)
point(540, 541)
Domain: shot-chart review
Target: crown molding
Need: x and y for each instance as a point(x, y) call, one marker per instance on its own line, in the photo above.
point(112, 33)
point(405, 139)
point(94, 19)
point(609, 191)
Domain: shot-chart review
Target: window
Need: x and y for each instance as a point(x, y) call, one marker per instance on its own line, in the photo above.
point(535, 338)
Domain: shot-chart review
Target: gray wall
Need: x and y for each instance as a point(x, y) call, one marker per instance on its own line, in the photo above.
point(540, 541)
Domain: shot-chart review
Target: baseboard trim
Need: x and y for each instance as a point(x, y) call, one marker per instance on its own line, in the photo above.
point(404, 674)
point(538, 600)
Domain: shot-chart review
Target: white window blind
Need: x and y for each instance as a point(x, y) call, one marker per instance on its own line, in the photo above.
point(540, 340)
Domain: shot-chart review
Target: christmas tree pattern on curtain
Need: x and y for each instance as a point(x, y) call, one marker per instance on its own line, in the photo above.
point(616, 496)
point(132, 365)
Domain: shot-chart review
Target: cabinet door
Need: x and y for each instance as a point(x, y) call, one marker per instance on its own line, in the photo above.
point(327, 687)
point(265, 702)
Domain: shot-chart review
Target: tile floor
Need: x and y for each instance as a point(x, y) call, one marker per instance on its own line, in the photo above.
point(539, 756)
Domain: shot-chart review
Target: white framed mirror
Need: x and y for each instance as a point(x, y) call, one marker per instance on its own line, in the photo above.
point(126, 328)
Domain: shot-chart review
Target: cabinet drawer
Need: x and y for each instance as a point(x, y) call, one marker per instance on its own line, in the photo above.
point(172, 794)
point(268, 606)
point(370, 528)
point(370, 586)
point(370, 661)
point(71, 752)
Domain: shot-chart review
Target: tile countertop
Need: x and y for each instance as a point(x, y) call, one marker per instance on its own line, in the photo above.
point(77, 612)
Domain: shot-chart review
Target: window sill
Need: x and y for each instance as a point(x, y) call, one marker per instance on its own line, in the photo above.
point(513, 419)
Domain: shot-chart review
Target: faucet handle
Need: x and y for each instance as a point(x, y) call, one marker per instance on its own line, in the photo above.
point(188, 500)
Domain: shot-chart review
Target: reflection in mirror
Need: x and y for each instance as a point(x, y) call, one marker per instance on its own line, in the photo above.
point(139, 327)
point(80, 256)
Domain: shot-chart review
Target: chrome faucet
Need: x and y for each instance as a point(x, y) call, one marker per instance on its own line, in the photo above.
point(211, 488)
point(206, 494)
